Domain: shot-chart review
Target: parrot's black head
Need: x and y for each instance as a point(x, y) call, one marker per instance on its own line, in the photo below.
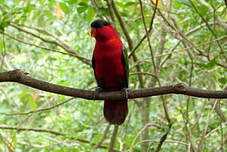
point(99, 23)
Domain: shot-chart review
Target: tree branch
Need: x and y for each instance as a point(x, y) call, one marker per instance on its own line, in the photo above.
point(149, 31)
point(32, 129)
point(113, 139)
point(64, 46)
point(21, 77)
point(38, 46)
point(38, 110)
point(163, 138)
point(103, 137)
point(207, 24)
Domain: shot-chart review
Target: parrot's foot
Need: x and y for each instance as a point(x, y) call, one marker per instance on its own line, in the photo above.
point(96, 92)
point(125, 93)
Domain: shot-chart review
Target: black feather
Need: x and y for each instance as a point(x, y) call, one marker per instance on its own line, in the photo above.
point(99, 23)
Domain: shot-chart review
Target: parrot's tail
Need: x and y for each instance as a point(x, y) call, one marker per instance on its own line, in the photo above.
point(115, 112)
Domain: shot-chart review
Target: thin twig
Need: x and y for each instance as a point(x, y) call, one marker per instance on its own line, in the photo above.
point(129, 40)
point(52, 132)
point(144, 73)
point(147, 34)
point(212, 131)
point(149, 31)
point(163, 138)
point(32, 129)
point(42, 31)
point(39, 110)
point(219, 112)
point(138, 134)
point(208, 26)
point(38, 46)
point(104, 136)
point(64, 46)
point(113, 139)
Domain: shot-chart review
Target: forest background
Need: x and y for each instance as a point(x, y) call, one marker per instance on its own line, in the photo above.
point(169, 42)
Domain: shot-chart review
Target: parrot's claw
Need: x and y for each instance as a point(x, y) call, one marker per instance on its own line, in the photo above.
point(96, 92)
point(125, 93)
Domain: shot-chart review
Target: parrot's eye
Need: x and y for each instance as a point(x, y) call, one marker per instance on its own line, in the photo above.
point(99, 23)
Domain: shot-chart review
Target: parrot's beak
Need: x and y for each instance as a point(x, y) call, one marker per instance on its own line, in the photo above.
point(93, 32)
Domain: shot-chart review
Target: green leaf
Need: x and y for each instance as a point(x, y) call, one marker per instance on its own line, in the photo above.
point(210, 65)
point(82, 7)
point(130, 3)
point(223, 80)
point(203, 9)
point(65, 8)
point(32, 104)
point(1, 45)
point(185, 2)
point(90, 14)
point(26, 96)
point(83, 4)
point(71, 2)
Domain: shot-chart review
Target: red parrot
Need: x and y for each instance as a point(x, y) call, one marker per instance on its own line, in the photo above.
point(110, 67)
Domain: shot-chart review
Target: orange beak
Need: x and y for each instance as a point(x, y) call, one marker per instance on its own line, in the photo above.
point(93, 32)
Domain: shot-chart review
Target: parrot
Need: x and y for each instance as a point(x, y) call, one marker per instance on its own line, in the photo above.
point(110, 65)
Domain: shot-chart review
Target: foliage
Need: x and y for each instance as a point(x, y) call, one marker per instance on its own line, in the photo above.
point(185, 49)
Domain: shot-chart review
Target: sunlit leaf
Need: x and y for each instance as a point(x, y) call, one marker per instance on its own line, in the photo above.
point(82, 6)
point(65, 8)
point(159, 3)
point(58, 12)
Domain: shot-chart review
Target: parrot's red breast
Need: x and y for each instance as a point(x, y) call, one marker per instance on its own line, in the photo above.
point(109, 68)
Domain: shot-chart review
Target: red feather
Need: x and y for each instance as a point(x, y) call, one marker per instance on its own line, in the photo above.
point(109, 68)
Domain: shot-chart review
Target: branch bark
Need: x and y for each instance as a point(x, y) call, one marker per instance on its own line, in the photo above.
point(22, 78)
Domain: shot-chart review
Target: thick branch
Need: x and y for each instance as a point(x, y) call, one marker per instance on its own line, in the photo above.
point(21, 77)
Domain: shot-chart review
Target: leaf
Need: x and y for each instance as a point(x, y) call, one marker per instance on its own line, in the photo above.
point(1, 45)
point(83, 4)
point(82, 7)
point(159, 3)
point(32, 104)
point(130, 3)
point(185, 2)
point(58, 12)
point(210, 65)
point(26, 96)
point(90, 14)
point(203, 9)
point(71, 2)
point(223, 80)
point(65, 8)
